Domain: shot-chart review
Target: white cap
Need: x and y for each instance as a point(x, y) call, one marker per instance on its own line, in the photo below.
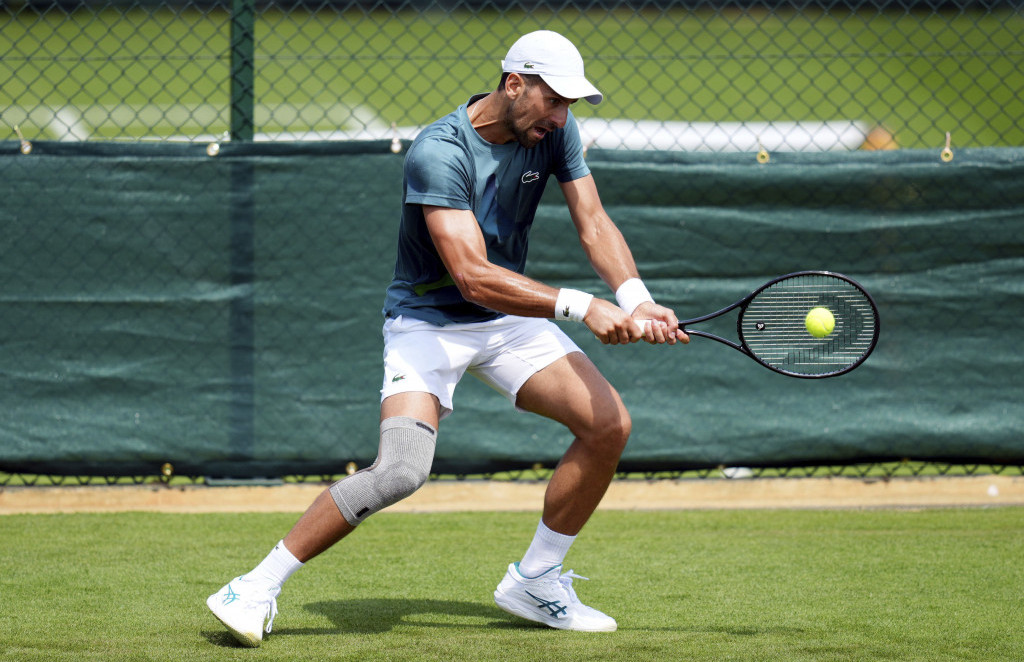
point(554, 58)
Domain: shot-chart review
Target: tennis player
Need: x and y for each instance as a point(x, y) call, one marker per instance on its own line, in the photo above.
point(459, 302)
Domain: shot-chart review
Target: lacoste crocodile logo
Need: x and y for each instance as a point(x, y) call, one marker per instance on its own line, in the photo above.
point(530, 176)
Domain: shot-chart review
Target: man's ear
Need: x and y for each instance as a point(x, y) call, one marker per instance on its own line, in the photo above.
point(515, 86)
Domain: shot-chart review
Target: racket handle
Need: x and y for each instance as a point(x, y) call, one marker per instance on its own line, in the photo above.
point(645, 325)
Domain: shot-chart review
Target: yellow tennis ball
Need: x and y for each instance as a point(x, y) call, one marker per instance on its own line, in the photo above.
point(819, 322)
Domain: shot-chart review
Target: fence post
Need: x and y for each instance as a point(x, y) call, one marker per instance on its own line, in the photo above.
point(242, 329)
point(242, 69)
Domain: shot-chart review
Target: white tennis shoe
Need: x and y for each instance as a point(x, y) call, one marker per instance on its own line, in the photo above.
point(243, 606)
point(551, 600)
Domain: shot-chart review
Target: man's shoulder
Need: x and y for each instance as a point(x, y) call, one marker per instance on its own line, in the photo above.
point(440, 150)
point(447, 129)
point(441, 140)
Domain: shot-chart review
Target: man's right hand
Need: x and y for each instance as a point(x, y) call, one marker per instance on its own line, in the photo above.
point(610, 324)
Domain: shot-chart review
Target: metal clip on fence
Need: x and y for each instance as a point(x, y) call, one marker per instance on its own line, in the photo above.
point(762, 154)
point(213, 149)
point(26, 146)
point(946, 154)
point(396, 143)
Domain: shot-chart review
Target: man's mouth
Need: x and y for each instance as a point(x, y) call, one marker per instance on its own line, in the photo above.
point(542, 131)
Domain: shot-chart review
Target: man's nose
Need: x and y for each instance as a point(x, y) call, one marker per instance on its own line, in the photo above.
point(560, 116)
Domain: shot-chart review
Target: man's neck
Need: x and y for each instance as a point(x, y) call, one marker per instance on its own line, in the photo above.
point(486, 116)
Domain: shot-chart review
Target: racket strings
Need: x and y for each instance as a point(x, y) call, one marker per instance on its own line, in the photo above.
point(773, 325)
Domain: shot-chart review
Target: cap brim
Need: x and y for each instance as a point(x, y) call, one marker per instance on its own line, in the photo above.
point(573, 87)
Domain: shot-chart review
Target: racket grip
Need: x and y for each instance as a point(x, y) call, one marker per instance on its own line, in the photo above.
point(645, 326)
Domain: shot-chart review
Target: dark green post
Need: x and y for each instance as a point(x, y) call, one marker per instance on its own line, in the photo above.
point(242, 69)
point(242, 325)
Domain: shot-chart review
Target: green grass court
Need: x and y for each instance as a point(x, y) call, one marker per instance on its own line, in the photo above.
point(942, 584)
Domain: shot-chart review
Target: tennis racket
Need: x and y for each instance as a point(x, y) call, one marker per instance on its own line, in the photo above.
point(772, 327)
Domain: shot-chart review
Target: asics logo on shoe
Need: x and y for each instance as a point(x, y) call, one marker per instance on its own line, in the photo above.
point(554, 607)
point(230, 596)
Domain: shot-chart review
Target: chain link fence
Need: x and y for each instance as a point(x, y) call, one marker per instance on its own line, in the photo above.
point(683, 75)
point(184, 305)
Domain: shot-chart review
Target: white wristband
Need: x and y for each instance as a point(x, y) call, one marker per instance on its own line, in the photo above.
point(572, 304)
point(631, 294)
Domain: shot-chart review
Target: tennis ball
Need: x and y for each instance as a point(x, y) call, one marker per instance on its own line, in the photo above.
point(819, 322)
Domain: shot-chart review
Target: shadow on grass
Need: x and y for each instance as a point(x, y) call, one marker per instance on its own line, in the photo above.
point(378, 616)
point(221, 638)
point(381, 615)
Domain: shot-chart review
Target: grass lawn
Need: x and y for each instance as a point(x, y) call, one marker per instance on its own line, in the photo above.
point(940, 584)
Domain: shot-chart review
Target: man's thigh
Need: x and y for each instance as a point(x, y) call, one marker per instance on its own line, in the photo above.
point(414, 404)
point(517, 348)
point(573, 392)
point(422, 358)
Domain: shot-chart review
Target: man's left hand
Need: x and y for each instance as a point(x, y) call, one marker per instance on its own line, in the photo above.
point(659, 324)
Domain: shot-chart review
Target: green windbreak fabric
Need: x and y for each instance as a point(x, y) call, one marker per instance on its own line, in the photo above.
point(223, 313)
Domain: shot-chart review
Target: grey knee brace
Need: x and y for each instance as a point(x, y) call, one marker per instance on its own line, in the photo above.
point(402, 466)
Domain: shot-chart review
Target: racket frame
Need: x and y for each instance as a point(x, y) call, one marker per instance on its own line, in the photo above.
point(745, 301)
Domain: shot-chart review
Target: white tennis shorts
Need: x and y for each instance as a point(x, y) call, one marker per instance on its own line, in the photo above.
point(502, 353)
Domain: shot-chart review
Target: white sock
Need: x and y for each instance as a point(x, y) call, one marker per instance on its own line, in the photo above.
point(279, 565)
point(547, 550)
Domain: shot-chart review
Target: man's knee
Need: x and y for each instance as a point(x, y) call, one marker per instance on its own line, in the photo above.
point(402, 467)
point(610, 429)
point(620, 427)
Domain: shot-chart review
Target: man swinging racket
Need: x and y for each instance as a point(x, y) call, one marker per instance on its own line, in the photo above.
point(459, 302)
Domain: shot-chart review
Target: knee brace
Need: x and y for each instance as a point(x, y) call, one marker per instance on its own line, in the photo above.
point(403, 464)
